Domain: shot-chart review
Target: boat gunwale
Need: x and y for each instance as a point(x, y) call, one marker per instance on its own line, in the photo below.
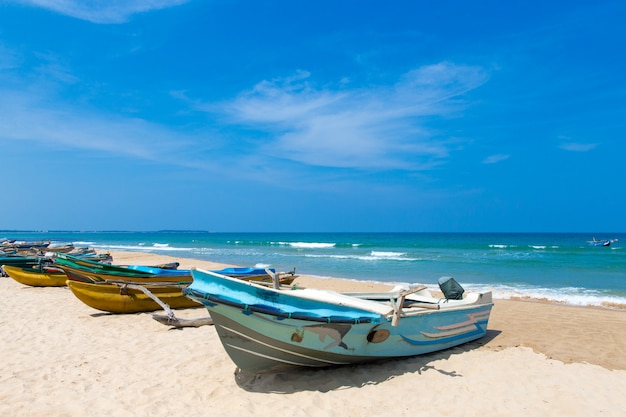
point(377, 315)
point(270, 311)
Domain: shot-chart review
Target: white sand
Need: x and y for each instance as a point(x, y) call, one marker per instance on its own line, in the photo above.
point(62, 358)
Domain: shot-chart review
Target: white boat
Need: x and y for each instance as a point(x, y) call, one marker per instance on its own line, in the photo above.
point(268, 329)
point(601, 242)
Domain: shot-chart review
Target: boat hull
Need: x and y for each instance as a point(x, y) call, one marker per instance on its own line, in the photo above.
point(35, 277)
point(266, 336)
point(260, 343)
point(113, 298)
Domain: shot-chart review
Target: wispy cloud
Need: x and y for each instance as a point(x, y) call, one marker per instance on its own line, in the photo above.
point(376, 127)
point(31, 118)
point(9, 59)
point(494, 159)
point(102, 11)
point(32, 110)
point(293, 122)
point(578, 147)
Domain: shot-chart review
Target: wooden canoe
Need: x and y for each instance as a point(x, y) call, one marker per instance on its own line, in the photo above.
point(89, 271)
point(115, 297)
point(76, 273)
point(123, 295)
point(37, 277)
point(144, 274)
point(21, 261)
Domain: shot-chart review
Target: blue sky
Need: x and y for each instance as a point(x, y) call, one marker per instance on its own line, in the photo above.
point(459, 116)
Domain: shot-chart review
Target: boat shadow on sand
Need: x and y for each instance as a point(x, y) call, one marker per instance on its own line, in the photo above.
point(342, 377)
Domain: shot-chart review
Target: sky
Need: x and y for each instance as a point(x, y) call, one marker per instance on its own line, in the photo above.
point(305, 116)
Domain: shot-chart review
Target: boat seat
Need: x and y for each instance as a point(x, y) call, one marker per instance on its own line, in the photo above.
point(392, 294)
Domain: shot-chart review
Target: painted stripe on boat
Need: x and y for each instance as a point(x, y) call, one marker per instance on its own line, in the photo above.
point(475, 334)
point(453, 332)
point(275, 359)
point(278, 349)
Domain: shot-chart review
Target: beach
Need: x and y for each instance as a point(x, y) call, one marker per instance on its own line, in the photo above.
point(63, 358)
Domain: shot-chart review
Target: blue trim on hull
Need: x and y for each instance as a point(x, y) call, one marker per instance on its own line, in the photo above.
point(272, 311)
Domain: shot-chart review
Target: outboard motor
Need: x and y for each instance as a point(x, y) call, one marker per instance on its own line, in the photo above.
point(451, 289)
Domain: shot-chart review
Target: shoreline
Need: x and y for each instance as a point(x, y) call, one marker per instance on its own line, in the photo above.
point(498, 293)
point(63, 358)
point(512, 322)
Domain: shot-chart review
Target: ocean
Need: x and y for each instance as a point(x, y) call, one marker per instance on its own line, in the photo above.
point(560, 267)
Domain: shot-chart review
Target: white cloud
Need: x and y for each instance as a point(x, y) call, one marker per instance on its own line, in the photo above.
point(578, 147)
point(380, 127)
point(32, 111)
point(375, 128)
point(494, 159)
point(102, 11)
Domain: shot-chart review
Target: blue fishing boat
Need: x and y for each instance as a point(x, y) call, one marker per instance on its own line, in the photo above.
point(266, 329)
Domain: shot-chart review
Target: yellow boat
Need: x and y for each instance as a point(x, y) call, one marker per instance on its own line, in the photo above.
point(36, 276)
point(130, 297)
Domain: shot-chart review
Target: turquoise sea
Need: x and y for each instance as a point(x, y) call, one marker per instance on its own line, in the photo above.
point(561, 267)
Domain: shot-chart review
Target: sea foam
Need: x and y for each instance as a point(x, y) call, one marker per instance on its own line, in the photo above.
point(311, 245)
point(569, 295)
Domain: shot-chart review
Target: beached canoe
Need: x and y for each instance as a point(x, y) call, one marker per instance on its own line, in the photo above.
point(43, 276)
point(25, 245)
point(129, 297)
point(88, 271)
point(56, 248)
point(22, 261)
point(137, 294)
point(80, 274)
point(107, 268)
point(266, 329)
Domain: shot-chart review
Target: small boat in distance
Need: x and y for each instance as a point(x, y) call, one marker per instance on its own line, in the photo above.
point(601, 242)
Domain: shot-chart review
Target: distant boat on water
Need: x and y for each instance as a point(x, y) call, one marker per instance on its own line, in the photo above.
point(601, 242)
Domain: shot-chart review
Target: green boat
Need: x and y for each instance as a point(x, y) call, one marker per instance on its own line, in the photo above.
point(85, 270)
point(22, 262)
